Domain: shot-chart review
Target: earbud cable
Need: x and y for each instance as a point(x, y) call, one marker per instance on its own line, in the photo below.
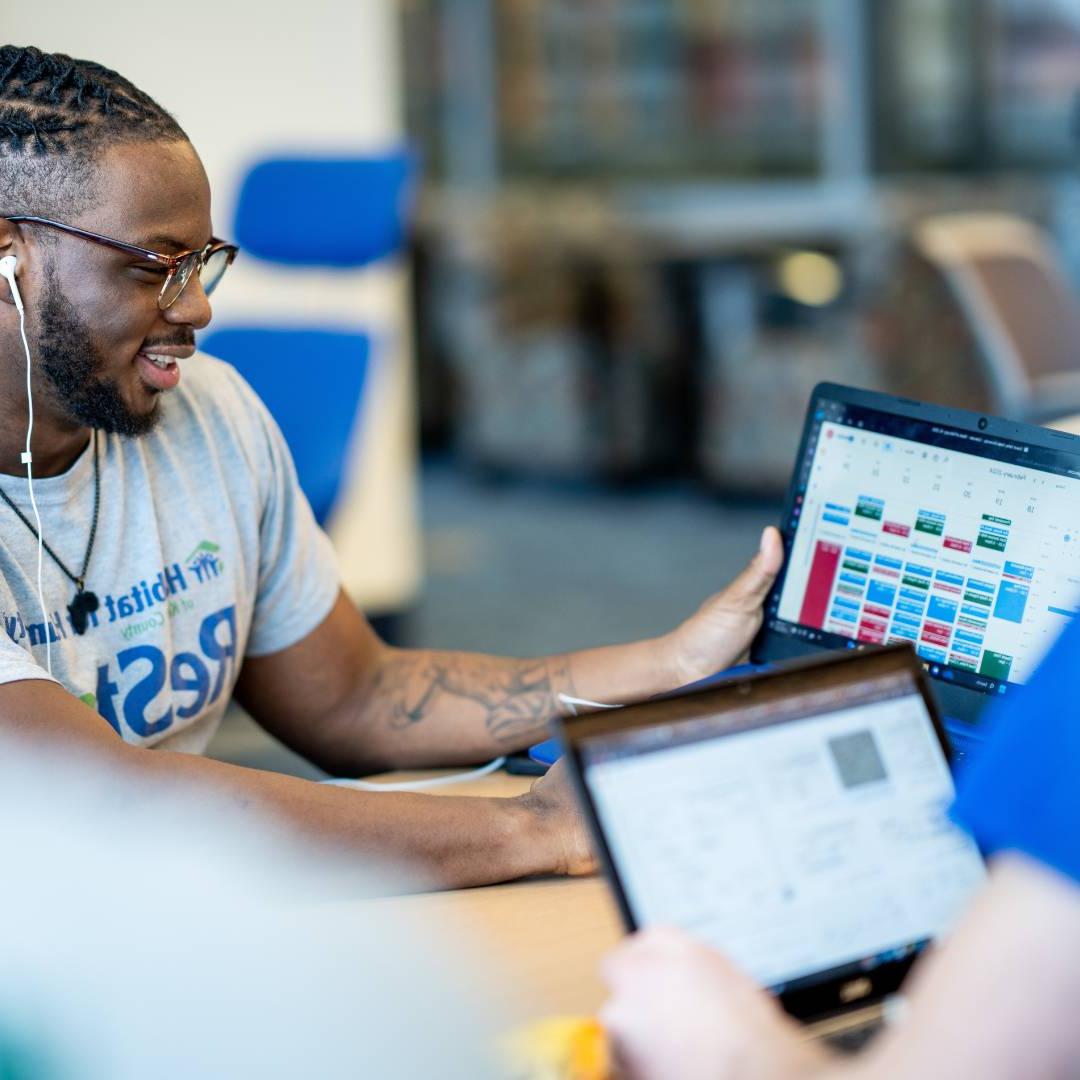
point(28, 458)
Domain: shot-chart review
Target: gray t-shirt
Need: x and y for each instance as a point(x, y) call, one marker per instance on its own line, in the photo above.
point(206, 552)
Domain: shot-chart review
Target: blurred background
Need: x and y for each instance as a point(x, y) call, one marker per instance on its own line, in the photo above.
point(557, 276)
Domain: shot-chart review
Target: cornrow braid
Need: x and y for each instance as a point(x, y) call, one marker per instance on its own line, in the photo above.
point(76, 86)
point(46, 130)
point(57, 116)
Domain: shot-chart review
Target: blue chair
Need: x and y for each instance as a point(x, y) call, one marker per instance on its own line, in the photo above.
point(330, 212)
point(312, 382)
point(316, 213)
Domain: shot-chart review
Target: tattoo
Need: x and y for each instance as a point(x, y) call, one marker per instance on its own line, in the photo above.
point(517, 697)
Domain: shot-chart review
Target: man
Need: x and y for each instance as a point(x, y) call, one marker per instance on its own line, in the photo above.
point(182, 565)
point(996, 1002)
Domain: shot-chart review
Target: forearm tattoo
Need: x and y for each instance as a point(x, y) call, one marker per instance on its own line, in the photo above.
point(517, 697)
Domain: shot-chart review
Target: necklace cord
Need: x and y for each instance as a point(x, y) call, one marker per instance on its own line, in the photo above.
point(79, 581)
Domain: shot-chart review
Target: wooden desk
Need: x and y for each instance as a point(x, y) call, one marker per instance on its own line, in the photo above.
point(548, 934)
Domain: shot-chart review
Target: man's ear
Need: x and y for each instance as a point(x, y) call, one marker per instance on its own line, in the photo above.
point(11, 243)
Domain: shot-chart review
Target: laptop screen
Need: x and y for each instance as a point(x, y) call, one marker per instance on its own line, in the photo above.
point(801, 829)
point(963, 543)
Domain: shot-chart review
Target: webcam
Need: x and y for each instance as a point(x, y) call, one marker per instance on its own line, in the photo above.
point(983, 423)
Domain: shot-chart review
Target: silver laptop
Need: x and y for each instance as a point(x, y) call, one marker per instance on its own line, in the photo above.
point(795, 818)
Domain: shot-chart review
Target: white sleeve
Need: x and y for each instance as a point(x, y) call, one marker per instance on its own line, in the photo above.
point(17, 663)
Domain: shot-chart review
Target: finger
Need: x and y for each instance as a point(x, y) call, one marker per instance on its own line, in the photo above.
point(664, 938)
point(749, 589)
point(615, 964)
point(626, 957)
point(552, 776)
point(642, 948)
point(771, 549)
point(616, 1017)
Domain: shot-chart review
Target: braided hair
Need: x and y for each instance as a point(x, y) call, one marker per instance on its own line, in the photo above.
point(57, 115)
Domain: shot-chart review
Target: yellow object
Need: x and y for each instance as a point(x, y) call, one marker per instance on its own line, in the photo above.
point(811, 278)
point(559, 1048)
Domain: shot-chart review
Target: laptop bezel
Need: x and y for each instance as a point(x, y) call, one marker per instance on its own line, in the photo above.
point(957, 702)
point(808, 1004)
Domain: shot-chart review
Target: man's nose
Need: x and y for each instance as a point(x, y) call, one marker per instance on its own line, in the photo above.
point(191, 307)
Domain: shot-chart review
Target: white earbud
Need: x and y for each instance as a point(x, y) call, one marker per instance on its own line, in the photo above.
point(7, 271)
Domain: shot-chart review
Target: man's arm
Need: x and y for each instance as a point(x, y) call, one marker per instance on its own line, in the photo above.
point(999, 999)
point(352, 704)
point(454, 841)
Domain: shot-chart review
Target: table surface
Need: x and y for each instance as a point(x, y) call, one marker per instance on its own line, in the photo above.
point(548, 933)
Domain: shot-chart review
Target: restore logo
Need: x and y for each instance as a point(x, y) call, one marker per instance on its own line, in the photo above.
point(193, 679)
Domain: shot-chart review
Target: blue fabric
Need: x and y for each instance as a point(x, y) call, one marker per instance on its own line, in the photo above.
point(1022, 791)
point(338, 212)
point(311, 381)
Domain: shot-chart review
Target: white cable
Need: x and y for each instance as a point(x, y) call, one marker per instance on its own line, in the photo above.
point(419, 785)
point(458, 778)
point(28, 460)
point(571, 702)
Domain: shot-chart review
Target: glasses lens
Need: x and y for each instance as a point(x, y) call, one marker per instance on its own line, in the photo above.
point(174, 285)
point(217, 262)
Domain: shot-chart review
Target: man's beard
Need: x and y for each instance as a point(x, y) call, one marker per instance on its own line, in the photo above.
point(72, 364)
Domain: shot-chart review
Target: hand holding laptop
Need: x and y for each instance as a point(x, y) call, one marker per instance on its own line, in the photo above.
point(681, 1008)
point(719, 634)
point(716, 637)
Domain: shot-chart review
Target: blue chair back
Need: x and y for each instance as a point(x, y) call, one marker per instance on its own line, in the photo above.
point(317, 212)
point(333, 212)
point(311, 380)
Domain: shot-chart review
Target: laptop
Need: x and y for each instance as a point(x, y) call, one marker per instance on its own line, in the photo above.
point(956, 532)
point(794, 818)
point(905, 521)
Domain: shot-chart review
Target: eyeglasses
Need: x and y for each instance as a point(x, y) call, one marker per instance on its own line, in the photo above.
point(209, 262)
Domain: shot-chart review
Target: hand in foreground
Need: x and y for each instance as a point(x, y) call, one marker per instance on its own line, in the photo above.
point(720, 632)
point(558, 814)
point(680, 1008)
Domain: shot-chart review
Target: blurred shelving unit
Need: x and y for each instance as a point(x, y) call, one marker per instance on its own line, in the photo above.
point(977, 85)
point(650, 226)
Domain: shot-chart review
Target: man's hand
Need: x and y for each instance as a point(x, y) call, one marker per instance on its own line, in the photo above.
point(719, 633)
point(679, 1008)
point(560, 822)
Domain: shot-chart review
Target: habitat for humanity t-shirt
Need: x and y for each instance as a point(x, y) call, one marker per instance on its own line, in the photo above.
point(206, 552)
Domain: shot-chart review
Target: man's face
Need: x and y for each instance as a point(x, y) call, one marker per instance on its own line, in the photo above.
point(95, 316)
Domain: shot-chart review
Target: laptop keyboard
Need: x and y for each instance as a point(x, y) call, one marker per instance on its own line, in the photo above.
point(963, 746)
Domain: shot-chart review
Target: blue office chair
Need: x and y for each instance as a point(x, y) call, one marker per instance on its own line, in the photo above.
point(312, 381)
point(327, 212)
point(316, 213)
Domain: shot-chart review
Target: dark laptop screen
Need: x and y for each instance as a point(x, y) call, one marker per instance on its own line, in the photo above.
point(801, 827)
point(963, 543)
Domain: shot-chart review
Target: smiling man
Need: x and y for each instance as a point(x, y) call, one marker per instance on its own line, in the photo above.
point(183, 565)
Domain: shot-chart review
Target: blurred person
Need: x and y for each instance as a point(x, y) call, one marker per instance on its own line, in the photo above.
point(182, 565)
point(147, 934)
point(995, 1001)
